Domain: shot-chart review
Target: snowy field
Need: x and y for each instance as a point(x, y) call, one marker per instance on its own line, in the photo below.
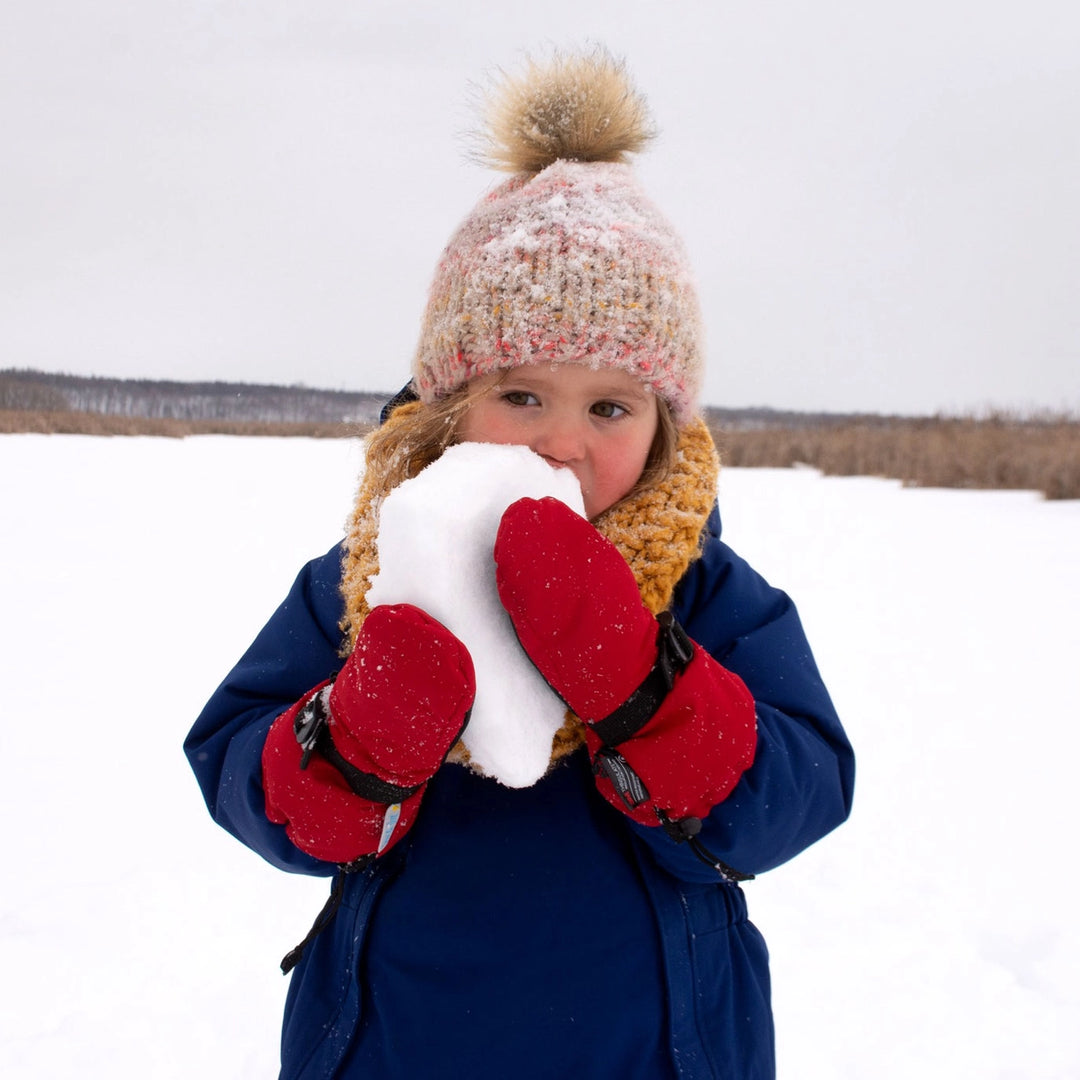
point(935, 935)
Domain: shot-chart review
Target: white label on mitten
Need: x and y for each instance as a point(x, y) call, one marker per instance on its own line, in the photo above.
point(390, 819)
point(436, 542)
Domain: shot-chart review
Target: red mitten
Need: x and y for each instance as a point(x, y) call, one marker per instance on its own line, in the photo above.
point(345, 768)
point(684, 727)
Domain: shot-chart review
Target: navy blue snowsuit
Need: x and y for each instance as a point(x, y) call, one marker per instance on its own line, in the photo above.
point(538, 933)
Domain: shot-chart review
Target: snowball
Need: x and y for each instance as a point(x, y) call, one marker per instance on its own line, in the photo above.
point(436, 540)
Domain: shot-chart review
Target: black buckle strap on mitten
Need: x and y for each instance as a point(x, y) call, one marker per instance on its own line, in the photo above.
point(312, 730)
point(685, 831)
point(674, 650)
point(329, 910)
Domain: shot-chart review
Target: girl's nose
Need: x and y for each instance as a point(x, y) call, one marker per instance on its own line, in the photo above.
point(560, 442)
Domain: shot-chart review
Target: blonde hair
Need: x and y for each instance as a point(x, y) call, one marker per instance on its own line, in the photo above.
point(399, 451)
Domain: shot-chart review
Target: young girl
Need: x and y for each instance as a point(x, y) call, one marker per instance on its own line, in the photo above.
point(590, 924)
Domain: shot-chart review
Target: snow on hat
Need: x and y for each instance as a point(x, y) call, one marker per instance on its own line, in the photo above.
point(567, 261)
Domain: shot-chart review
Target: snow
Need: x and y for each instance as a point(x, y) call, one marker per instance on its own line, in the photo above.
point(934, 935)
point(442, 523)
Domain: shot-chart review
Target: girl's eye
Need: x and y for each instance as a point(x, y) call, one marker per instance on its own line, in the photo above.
point(608, 410)
point(519, 397)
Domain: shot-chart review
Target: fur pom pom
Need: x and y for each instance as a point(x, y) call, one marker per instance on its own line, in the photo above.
point(576, 107)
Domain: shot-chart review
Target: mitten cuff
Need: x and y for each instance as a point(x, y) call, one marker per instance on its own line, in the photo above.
point(689, 756)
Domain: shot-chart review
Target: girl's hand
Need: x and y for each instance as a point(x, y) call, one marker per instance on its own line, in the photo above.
point(668, 729)
point(345, 768)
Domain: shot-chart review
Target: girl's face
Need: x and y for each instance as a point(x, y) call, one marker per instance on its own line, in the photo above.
point(599, 424)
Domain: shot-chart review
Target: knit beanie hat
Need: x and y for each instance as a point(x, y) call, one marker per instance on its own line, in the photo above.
point(567, 261)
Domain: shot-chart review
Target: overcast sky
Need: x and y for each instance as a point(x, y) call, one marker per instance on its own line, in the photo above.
point(880, 200)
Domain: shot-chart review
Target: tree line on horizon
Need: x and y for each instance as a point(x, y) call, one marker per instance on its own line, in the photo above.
point(30, 390)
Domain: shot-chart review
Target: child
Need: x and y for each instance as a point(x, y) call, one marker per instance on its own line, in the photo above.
point(591, 924)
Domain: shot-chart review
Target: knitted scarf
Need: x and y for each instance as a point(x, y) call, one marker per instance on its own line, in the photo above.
point(658, 531)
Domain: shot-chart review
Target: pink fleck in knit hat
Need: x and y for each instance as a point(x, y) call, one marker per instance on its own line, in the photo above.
point(567, 261)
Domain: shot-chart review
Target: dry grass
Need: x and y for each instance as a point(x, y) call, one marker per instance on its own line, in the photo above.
point(86, 423)
point(995, 452)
